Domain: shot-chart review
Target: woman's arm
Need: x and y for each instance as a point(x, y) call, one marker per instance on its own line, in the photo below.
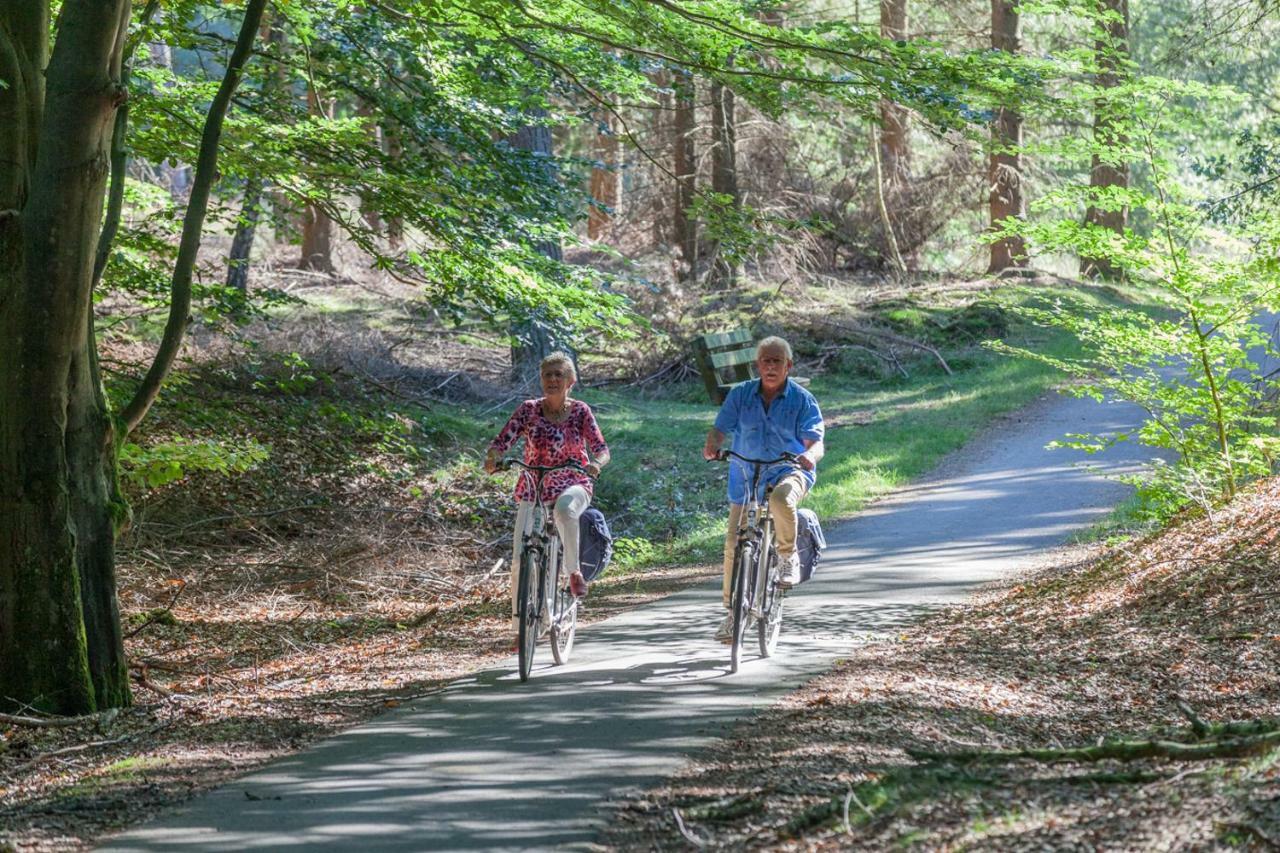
point(506, 437)
point(594, 440)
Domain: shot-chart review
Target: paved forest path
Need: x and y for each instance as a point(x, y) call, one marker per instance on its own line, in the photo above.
point(490, 763)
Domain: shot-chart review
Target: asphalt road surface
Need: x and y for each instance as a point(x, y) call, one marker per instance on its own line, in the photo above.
point(492, 764)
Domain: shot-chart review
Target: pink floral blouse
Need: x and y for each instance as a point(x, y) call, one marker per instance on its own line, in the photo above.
point(549, 443)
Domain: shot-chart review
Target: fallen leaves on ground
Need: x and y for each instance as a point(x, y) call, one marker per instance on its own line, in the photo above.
point(1100, 646)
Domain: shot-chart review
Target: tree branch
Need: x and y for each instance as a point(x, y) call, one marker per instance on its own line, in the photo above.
point(193, 224)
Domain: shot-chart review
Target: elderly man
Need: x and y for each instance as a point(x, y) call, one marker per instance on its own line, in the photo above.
point(768, 416)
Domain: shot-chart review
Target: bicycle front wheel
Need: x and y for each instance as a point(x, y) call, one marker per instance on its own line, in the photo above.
point(527, 607)
point(741, 600)
point(770, 624)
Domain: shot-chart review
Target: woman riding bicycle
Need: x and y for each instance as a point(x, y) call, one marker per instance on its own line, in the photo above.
point(556, 430)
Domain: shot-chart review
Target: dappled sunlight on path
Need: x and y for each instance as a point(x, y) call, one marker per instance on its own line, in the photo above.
point(490, 763)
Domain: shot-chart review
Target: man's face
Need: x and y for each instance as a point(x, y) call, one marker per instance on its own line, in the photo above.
point(773, 366)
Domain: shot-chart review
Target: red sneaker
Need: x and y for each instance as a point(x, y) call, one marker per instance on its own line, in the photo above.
point(578, 585)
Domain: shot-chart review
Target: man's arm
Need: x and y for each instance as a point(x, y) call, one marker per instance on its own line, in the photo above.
point(814, 450)
point(710, 450)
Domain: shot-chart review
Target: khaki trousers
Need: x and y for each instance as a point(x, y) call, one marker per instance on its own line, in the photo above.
point(784, 499)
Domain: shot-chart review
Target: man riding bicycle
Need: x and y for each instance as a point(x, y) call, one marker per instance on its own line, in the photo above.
point(768, 416)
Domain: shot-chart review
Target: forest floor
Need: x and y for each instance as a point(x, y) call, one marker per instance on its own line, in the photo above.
point(312, 541)
point(1108, 647)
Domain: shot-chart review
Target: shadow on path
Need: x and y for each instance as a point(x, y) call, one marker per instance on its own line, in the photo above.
point(490, 763)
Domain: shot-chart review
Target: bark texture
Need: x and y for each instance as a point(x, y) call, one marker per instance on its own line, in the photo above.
point(1108, 168)
point(317, 227)
point(606, 179)
point(685, 166)
point(242, 241)
point(1004, 170)
point(895, 144)
point(533, 337)
point(60, 647)
point(724, 171)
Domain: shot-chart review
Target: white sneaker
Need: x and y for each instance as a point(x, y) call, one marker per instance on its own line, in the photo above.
point(724, 633)
point(789, 571)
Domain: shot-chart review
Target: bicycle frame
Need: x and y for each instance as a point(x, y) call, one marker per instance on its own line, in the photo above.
point(755, 596)
point(541, 552)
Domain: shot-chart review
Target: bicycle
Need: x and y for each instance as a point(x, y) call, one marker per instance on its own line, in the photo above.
point(755, 590)
point(543, 600)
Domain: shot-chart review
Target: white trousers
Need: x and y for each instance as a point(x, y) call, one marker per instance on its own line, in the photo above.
point(568, 509)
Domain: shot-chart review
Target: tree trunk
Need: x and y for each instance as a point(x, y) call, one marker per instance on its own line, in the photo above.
point(606, 175)
point(533, 337)
point(242, 242)
point(724, 172)
point(394, 147)
point(1107, 169)
point(368, 210)
point(1004, 171)
point(895, 138)
point(685, 166)
point(60, 648)
point(317, 227)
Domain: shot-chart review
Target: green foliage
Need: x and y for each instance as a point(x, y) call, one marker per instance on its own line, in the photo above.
point(1194, 366)
point(165, 462)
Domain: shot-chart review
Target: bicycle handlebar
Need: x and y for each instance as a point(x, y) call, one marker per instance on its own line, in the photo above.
point(723, 456)
point(506, 464)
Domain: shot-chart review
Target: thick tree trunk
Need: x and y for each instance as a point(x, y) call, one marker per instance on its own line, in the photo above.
point(533, 337)
point(895, 139)
point(724, 172)
point(60, 646)
point(685, 166)
point(60, 642)
point(1108, 170)
point(606, 179)
point(1004, 171)
point(242, 242)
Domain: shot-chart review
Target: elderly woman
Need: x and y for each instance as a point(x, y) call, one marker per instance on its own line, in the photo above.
point(556, 429)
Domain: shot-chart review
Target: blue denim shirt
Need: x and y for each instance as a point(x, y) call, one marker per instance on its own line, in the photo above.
point(793, 417)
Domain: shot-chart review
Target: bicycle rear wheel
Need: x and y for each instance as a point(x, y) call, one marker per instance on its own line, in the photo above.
point(527, 607)
point(565, 626)
point(770, 624)
point(740, 600)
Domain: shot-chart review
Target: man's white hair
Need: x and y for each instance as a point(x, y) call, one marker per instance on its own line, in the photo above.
point(773, 342)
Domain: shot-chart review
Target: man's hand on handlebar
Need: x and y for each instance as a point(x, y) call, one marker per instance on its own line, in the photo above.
point(805, 461)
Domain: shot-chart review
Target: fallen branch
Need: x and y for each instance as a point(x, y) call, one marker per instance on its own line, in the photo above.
point(868, 332)
point(686, 832)
point(47, 722)
point(1198, 726)
point(155, 615)
point(1229, 747)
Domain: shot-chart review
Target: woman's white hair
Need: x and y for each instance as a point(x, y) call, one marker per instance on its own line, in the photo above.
point(560, 357)
point(773, 342)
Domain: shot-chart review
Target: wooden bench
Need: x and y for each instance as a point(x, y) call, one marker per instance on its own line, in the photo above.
point(725, 359)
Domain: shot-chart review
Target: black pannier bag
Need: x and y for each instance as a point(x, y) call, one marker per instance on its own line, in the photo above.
point(809, 542)
point(595, 543)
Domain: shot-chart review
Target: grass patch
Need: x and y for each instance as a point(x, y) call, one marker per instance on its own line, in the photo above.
point(883, 432)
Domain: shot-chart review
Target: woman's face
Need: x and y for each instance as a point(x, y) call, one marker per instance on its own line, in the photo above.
point(557, 379)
